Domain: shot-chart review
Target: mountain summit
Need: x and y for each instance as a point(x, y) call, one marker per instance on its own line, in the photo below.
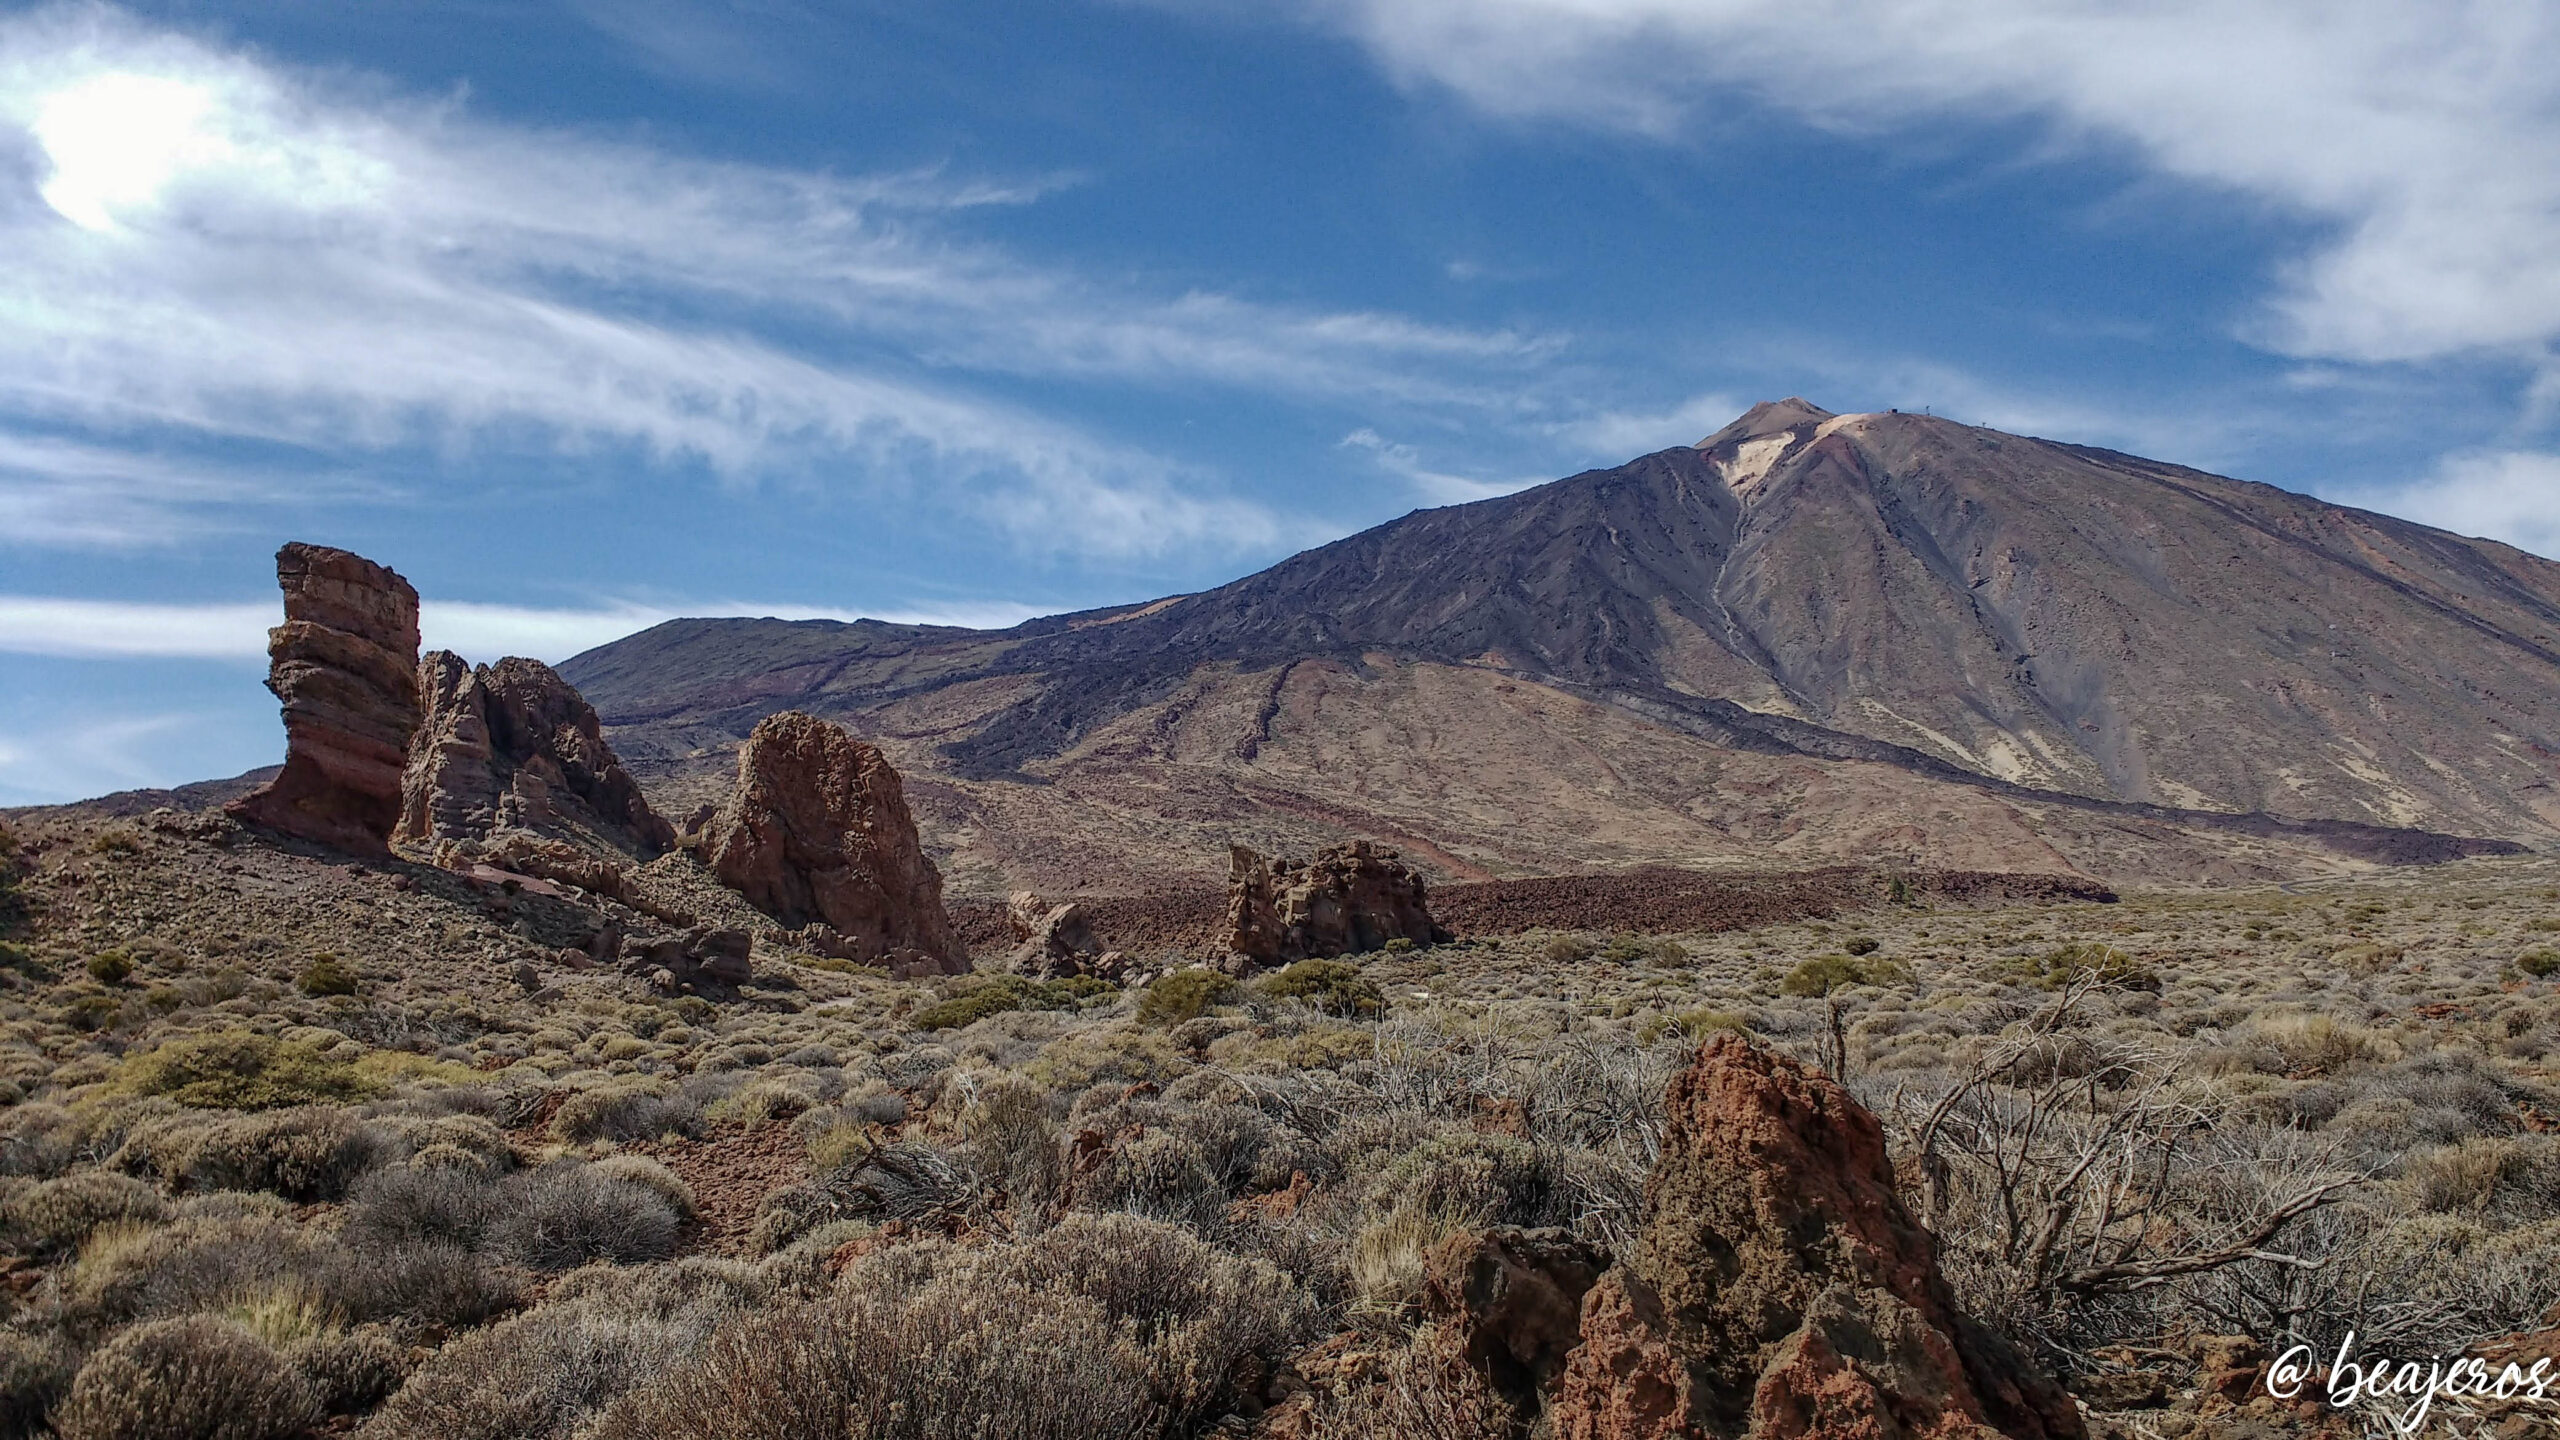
point(1809, 636)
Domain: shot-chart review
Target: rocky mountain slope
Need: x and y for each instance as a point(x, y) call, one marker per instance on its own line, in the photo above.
point(1811, 638)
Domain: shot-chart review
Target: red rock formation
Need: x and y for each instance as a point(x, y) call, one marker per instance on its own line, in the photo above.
point(818, 833)
point(1348, 899)
point(1780, 1289)
point(345, 664)
point(513, 747)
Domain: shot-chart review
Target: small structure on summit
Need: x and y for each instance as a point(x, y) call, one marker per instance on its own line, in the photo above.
point(513, 747)
point(1348, 899)
point(345, 665)
point(818, 836)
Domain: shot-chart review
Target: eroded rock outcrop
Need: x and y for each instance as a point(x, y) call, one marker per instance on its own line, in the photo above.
point(1781, 1290)
point(345, 665)
point(1514, 1300)
point(1349, 898)
point(1052, 941)
point(512, 747)
point(818, 834)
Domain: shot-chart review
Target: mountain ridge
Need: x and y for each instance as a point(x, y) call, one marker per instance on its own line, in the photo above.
point(2047, 623)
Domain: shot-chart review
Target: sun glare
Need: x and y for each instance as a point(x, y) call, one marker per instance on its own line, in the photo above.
point(118, 140)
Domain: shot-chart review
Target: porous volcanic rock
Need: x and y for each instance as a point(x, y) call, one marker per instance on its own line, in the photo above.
point(345, 665)
point(513, 747)
point(818, 833)
point(1514, 1297)
point(1779, 1288)
point(1348, 899)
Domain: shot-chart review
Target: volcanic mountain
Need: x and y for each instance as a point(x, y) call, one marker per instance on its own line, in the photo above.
point(1875, 638)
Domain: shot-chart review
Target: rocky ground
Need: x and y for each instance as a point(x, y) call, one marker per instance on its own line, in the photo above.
point(365, 1143)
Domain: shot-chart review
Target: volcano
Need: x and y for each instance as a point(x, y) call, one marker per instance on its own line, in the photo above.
point(1808, 639)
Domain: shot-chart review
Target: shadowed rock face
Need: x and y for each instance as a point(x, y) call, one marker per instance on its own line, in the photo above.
point(1779, 1288)
point(345, 665)
point(1348, 899)
point(513, 747)
point(818, 833)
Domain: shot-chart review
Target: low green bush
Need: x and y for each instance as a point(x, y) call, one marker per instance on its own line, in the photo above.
point(1183, 995)
point(240, 1070)
point(2540, 964)
point(1331, 986)
point(2107, 965)
point(1823, 974)
point(1009, 992)
point(326, 975)
point(110, 967)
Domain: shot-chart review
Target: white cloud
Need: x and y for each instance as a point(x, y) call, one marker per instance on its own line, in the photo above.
point(212, 246)
point(2424, 134)
point(90, 756)
point(2510, 495)
point(1440, 488)
point(116, 629)
point(42, 625)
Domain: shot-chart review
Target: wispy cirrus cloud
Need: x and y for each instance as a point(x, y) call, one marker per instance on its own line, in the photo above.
point(2422, 138)
point(203, 243)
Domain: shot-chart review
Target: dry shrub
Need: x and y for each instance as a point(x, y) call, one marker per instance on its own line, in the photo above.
point(2518, 1176)
point(565, 1216)
point(195, 1378)
point(1386, 1259)
point(952, 1363)
point(1159, 1174)
point(624, 1112)
point(34, 1371)
point(37, 1140)
point(1105, 1325)
point(425, 1200)
point(543, 1375)
point(1427, 1391)
point(1012, 1142)
point(350, 1372)
point(651, 1175)
point(58, 1214)
point(2321, 1044)
point(304, 1155)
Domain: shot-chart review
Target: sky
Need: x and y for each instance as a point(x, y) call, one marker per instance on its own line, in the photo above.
point(590, 313)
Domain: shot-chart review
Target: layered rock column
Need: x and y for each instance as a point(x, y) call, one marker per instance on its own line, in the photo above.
point(345, 665)
point(818, 833)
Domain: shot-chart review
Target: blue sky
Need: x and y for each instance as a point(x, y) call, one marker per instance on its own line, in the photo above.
point(585, 314)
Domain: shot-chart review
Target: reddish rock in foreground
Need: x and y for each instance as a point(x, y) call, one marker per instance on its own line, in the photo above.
point(513, 747)
point(1348, 899)
point(1781, 1290)
point(818, 834)
point(345, 665)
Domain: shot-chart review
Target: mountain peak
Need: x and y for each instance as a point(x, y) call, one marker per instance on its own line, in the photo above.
point(1769, 417)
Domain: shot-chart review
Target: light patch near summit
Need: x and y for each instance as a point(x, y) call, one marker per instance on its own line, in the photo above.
point(1753, 460)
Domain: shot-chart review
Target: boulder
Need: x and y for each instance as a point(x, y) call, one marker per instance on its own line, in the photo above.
point(1514, 1299)
point(1780, 1289)
point(1057, 944)
point(818, 833)
point(512, 747)
point(690, 959)
point(345, 665)
point(1348, 899)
